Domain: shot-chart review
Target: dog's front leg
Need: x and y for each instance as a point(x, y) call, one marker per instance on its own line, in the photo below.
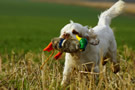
point(69, 66)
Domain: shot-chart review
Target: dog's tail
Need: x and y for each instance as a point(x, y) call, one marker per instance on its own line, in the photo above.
point(106, 17)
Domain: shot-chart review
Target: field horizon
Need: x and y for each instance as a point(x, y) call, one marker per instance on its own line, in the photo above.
point(129, 9)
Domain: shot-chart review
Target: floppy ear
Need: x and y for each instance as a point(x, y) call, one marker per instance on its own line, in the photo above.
point(93, 39)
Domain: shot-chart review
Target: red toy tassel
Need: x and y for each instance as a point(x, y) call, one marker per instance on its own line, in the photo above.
point(57, 56)
point(49, 47)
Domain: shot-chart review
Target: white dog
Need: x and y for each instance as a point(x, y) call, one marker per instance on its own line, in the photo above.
point(101, 42)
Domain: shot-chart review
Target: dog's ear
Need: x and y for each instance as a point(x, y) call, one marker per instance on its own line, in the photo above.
point(71, 21)
point(93, 39)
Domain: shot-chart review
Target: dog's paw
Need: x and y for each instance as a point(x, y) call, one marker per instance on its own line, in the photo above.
point(64, 84)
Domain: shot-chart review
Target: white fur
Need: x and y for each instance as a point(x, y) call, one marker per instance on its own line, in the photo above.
point(115, 10)
point(93, 53)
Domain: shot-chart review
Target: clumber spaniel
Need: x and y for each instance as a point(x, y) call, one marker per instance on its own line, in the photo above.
point(101, 42)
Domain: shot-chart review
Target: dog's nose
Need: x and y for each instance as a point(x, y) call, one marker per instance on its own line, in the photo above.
point(66, 35)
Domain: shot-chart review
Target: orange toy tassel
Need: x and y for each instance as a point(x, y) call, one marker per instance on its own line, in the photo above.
point(49, 47)
point(58, 55)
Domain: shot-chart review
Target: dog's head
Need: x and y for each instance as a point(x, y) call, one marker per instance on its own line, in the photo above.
point(72, 29)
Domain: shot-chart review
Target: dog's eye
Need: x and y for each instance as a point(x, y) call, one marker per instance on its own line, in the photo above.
point(75, 32)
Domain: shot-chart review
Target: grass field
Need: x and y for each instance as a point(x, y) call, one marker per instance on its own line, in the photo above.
point(27, 27)
point(22, 72)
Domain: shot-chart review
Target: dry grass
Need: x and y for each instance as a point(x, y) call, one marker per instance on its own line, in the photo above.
point(22, 71)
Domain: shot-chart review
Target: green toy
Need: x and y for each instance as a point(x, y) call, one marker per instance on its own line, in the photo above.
point(83, 42)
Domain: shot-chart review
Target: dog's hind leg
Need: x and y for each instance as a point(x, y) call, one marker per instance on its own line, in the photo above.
point(116, 66)
point(113, 57)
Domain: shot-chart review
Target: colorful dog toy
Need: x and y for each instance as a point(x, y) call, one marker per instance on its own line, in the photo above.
point(50, 48)
point(65, 45)
point(83, 42)
point(69, 45)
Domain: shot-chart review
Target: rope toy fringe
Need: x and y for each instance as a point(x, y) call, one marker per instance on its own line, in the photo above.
point(41, 67)
point(50, 48)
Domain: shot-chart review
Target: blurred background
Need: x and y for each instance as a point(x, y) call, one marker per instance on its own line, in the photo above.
point(29, 25)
